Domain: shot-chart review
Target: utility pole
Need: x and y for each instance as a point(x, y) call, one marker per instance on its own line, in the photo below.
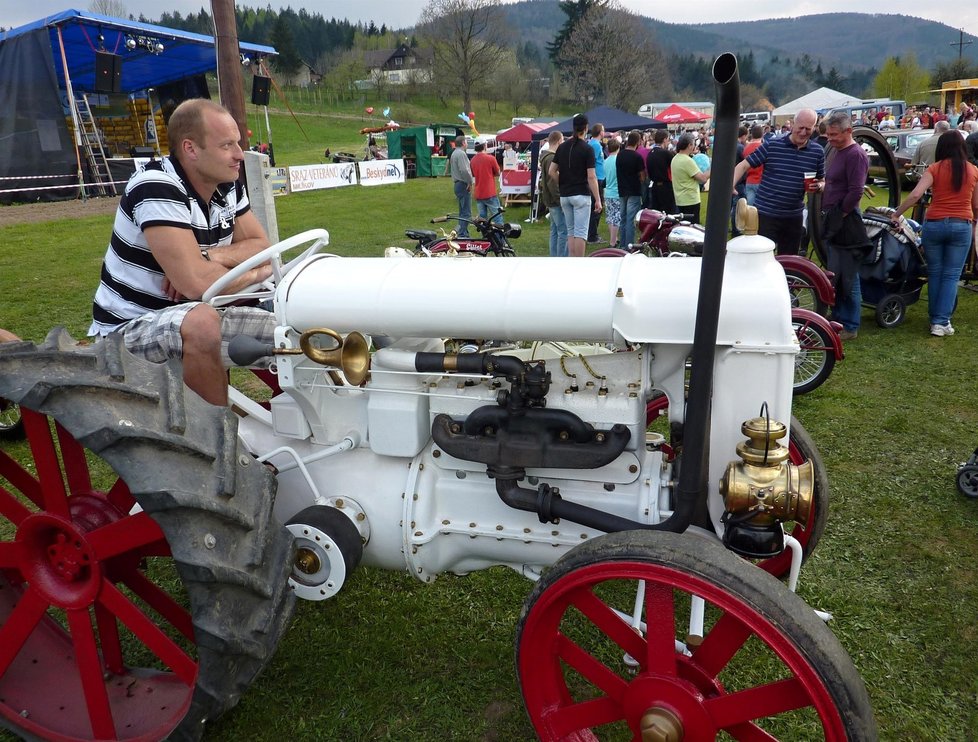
point(960, 43)
point(229, 84)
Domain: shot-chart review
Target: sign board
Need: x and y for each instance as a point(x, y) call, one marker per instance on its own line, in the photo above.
point(513, 182)
point(510, 159)
point(280, 181)
point(314, 177)
point(381, 172)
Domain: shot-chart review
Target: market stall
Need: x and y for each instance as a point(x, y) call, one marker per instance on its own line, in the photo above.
point(515, 180)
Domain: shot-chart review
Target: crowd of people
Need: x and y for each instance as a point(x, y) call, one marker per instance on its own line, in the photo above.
point(594, 172)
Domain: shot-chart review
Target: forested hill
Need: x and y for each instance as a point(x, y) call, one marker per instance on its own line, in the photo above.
point(842, 40)
point(851, 38)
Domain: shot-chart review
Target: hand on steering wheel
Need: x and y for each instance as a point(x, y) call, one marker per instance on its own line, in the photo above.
point(271, 254)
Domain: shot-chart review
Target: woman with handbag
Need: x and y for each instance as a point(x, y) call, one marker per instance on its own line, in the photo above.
point(948, 227)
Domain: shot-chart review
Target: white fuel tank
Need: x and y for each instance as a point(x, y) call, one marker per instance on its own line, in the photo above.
point(638, 299)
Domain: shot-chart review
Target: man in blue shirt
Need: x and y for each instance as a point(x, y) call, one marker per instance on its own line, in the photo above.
point(595, 143)
point(781, 197)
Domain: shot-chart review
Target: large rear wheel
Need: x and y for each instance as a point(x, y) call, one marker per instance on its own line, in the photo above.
point(143, 581)
point(650, 635)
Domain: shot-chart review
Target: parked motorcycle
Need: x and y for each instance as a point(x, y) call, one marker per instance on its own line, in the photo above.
point(495, 238)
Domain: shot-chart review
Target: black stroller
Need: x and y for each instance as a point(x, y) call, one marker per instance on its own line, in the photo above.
point(894, 272)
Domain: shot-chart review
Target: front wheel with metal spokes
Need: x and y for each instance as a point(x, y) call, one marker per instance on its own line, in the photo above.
point(816, 356)
point(650, 635)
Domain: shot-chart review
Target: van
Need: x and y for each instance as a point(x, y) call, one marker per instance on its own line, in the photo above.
point(487, 139)
point(755, 117)
point(866, 113)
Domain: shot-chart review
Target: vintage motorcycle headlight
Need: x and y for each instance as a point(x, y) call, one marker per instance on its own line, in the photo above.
point(512, 231)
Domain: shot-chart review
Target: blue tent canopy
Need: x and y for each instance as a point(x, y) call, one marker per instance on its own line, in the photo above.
point(612, 119)
point(184, 53)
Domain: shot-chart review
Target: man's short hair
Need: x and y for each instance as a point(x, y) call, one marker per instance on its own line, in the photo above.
point(187, 122)
point(479, 146)
point(742, 131)
point(941, 126)
point(660, 136)
point(685, 141)
point(614, 145)
point(460, 140)
point(839, 120)
point(555, 138)
point(580, 123)
point(634, 137)
point(756, 131)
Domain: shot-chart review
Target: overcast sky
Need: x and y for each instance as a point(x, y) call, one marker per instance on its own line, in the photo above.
point(399, 13)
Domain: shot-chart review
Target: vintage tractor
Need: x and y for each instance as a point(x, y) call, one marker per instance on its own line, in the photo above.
point(153, 546)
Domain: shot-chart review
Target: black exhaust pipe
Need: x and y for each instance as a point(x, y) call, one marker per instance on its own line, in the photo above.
point(692, 488)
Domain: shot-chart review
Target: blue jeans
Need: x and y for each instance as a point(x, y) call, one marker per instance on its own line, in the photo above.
point(847, 309)
point(629, 208)
point(464, 197)
point(558, 232)
point(489, 206)
point(577, 210)
point(751, 190)
point(946, 244)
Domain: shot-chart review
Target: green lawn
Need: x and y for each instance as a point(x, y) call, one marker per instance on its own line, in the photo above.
point(392, 659)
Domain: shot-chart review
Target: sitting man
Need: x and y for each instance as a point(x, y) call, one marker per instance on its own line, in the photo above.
point(182, 223)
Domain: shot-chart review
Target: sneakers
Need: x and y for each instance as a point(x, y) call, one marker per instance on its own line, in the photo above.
point(941, 330)
point(848, 334)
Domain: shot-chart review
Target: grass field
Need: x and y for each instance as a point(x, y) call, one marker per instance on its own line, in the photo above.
point(392, 659)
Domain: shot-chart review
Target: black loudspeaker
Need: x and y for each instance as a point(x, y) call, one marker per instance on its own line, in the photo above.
point(142, 152)
point(259, 90)
point(108, 72)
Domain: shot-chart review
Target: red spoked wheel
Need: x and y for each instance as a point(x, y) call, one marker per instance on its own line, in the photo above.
point(801, 448)
point(609, 647)
point(142, 580)
point(76, 579)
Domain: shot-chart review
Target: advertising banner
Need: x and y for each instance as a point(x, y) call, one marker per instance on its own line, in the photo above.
point(381, 172)
point(514, 181)
point(314, 177)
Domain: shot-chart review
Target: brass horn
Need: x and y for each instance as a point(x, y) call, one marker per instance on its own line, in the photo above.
point(352, 355)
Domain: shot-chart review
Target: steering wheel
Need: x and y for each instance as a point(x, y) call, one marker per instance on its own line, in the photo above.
point(271, 254)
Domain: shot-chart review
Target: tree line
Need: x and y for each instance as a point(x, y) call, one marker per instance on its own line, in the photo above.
point(601, 54)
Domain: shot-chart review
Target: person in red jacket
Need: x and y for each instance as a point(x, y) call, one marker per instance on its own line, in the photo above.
point(485, 170)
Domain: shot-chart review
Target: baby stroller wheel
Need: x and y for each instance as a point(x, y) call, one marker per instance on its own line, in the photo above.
point(968, 480)
point(891, 311)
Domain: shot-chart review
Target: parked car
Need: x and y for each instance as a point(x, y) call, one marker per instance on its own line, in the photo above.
point(903, 143)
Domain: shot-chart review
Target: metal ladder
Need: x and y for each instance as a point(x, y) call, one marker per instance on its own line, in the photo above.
point(91, 144)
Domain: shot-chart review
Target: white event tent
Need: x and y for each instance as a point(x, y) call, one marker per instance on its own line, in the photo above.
point(820, 99)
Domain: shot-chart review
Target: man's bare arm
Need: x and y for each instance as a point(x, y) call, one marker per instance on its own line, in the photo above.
point(187, 273)
point(249, 238)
